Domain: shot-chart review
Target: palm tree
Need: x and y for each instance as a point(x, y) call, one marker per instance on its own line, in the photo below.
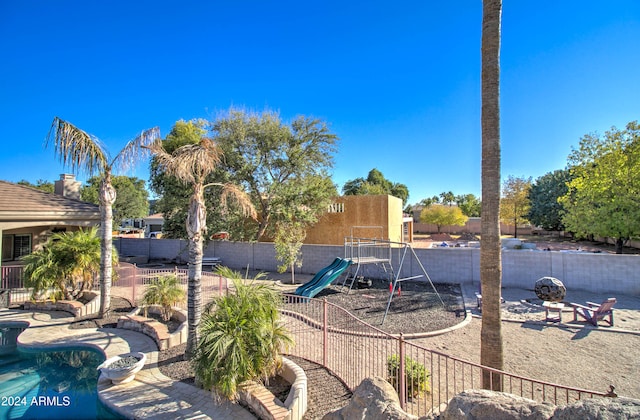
point(491, 352)
point(242, 337)
point(82, 151)
point(192, 164)
point(166, 292)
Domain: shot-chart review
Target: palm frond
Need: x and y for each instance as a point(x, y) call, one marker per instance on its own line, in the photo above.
point(190, 163)
point(137, 149)
point(76, 149)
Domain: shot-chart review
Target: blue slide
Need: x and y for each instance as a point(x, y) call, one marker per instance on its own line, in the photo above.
point(323, 278)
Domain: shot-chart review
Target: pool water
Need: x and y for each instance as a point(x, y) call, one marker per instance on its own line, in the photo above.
point(46, 384)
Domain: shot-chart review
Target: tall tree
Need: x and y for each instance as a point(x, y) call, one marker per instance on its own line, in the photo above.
point(267, 156)
point(469, 204)
point(192, 164)
point(132, 198)
point(546, 211)
point(447, 197)
point(376, 184)
point(515, 205)
point(82, 151)
point(603, 196)
point(40, 184)
point(491, 351)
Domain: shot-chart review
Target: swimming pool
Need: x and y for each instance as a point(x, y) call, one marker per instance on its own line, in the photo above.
point(49, 384)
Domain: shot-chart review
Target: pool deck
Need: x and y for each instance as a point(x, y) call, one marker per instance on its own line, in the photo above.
point(151, 395)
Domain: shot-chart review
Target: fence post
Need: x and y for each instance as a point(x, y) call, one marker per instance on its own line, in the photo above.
point(402, 382)
point(325, 332)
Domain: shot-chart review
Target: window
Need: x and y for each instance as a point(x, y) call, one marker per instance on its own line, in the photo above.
point(21, 246)
point(336, 208)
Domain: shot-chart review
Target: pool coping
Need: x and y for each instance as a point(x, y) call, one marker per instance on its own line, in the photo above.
point(151, 395)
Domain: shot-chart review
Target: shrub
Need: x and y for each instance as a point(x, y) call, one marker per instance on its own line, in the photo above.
point(417, 376)
point(241, 337)
point(166, 292)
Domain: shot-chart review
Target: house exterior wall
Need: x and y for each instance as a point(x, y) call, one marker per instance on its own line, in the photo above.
point(366, 216)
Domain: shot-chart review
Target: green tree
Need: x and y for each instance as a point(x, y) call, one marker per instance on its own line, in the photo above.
point(515, 204)
point(491, 350)
point(603, 196)
point(546, 211)
point(242, 337)
point(426, 202)
point(376, 184)
point(82, 151)
point(132, 198)
point(165, 291)
point(279, 165)
point(447, 197)
point(440, 215)
point(469, 204)
point(192, 164)
point(40, 184)
point(288, 242)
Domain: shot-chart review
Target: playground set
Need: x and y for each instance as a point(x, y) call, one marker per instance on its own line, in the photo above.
point(361, 256)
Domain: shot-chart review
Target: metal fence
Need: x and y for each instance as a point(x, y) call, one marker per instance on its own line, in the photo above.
point(354, 350)
point(129, 282)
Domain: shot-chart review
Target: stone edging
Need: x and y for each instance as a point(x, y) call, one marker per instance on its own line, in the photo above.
point(263, 402)
point(73, 307)
point(154, 329)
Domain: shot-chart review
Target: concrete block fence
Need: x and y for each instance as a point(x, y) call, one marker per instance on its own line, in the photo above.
point(599, 273)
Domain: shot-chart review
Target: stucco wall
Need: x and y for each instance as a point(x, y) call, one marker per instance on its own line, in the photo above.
point(372, 211)
point(600, 273)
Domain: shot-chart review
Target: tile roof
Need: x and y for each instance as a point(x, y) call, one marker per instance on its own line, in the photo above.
point(16, 198)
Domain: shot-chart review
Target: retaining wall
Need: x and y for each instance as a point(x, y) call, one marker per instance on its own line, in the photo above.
point(595, 272)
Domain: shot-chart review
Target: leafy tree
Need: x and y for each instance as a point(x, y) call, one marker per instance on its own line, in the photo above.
point(40, 184)
point(440, 215)
point(281, 166)
point(426, 202)
point(546, 211)
point(469, 204)
point(376, 184)
point(165, 291)
point(192, 164)
point(80, 150)
point(515, 204)
point(603, 197)
point(288, 242)
point(491, 350)
point(132, 198)
point(242, 336)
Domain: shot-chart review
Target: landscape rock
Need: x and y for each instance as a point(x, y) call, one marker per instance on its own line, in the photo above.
point(373, 399)
point(550, 289)
point(483, 404)
point(600, 409)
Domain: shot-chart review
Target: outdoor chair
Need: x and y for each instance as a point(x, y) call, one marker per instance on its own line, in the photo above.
point(594, 312)
point(479, 300)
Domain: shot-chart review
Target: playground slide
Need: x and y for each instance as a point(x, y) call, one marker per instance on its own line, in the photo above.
point(324, 278)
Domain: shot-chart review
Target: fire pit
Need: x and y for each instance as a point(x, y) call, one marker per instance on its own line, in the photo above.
point(123, 368)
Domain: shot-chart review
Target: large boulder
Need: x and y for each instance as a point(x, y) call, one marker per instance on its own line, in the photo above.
point(550, 289)
point(483, 404)
point(490, 405)
point(373, 399)
point(600, 409)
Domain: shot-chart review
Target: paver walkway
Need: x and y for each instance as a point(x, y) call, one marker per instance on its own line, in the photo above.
point(151, 395)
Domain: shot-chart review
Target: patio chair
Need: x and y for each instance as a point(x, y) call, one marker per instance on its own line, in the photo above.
point(594, 312)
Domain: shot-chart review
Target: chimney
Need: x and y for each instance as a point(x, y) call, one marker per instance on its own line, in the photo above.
point(67, 186)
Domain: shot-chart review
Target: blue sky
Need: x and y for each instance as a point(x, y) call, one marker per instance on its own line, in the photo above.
point(398, 82)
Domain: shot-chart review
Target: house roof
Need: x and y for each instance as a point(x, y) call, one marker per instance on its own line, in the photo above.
point(22, 206)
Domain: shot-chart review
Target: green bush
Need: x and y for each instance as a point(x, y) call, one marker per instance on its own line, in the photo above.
point(417, 376)
point(165, 291)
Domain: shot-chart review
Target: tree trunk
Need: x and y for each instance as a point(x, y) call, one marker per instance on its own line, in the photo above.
point(619, 245)
point(107, 198)
point(196, 224)
point(491, 351)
